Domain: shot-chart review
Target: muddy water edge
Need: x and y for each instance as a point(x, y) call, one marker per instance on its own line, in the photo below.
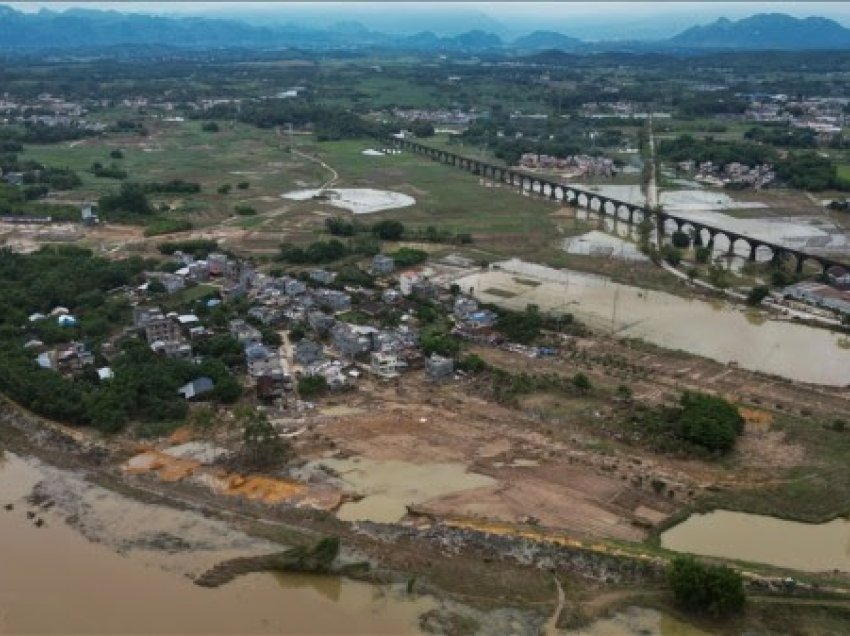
point(132, 560)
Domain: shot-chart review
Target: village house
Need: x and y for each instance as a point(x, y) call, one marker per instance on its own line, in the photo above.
point(243, 332)
point(322, 276)
point(196, 387)
point(266, 315)
point(331, 371)
point(820, 295)
point(332, 300)
point(320, 321)
point(273, 384)
point(382, 265)
point(438, 367)
point(352, 340)
point(838, 277)
point(308, 352)
point(391, 296)
point(386, 364)
point(293, 286)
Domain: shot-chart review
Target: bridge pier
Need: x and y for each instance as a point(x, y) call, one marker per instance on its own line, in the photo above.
point(753, 249)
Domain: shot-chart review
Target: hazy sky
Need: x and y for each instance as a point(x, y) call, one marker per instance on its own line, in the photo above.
point(592, 20)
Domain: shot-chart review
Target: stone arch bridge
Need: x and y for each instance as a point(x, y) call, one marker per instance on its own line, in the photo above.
point(703, 233)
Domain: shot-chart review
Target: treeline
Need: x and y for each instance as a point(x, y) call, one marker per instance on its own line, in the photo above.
point(392, 230)
point(688, 147)
point(131, 201)
point(328, 123)
point(40, 133)
point(509, 139)
point(805, 170)
point(783, 136)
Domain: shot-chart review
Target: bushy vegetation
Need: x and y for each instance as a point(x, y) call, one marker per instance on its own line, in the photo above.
point(700, 424)
point(407, 256)
point(199, 248)
point(715, 590)
point(167, 226)
point(129, 202)
point(310, 386)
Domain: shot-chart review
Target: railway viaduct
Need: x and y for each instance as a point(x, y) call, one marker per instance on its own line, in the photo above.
point(703, 233)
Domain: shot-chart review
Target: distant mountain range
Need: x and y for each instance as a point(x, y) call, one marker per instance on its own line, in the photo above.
point(91, 29)
point(769, 31)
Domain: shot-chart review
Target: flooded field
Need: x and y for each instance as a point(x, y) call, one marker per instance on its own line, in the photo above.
point(389, 486)
point(736, 535)
point(717, 331)
point(356, 200)
point(604, 245)
point(55, 581)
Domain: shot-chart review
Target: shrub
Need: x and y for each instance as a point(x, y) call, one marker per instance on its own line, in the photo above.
point(224, 188)
point(709, 421)
point(581, 382)
point(406, 257)
point(244, 210)
point(388, 230)
point(757, 294)
point(706, 589)
point(210, 126)
point(243, 185)
point(312, 386)
point(681, 240)
point(167, 226)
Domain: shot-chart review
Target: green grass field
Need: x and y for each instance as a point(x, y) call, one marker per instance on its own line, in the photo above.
point(448, 198)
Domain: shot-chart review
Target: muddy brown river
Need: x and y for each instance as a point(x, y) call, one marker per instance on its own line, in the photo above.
point(55, 581)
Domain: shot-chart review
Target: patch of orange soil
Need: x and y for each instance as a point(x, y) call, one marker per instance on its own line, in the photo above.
point(168, 468)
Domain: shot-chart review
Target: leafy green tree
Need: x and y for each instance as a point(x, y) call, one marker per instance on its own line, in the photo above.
point(130, 200)
point(709, 421)
point(757, 294)
point(408, 256)
point(522, 327)
point(715, 590)
point(389, 230)
point(262, 448)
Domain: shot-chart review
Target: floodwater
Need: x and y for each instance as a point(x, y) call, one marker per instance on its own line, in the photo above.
point(596, 243)
point(356, 200)
point(638, 621)
point(54, 581)
point(736, 535)
point(390, 485)
point(721, 332)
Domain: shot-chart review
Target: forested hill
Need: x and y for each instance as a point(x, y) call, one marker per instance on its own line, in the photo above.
point(773, 31)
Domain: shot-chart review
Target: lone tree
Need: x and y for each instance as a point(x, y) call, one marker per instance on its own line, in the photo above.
point(715, 590)
point(709, 421)
point(262, 449)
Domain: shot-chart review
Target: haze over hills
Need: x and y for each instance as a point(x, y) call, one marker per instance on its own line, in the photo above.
point(88, 29)
point(767, 31)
